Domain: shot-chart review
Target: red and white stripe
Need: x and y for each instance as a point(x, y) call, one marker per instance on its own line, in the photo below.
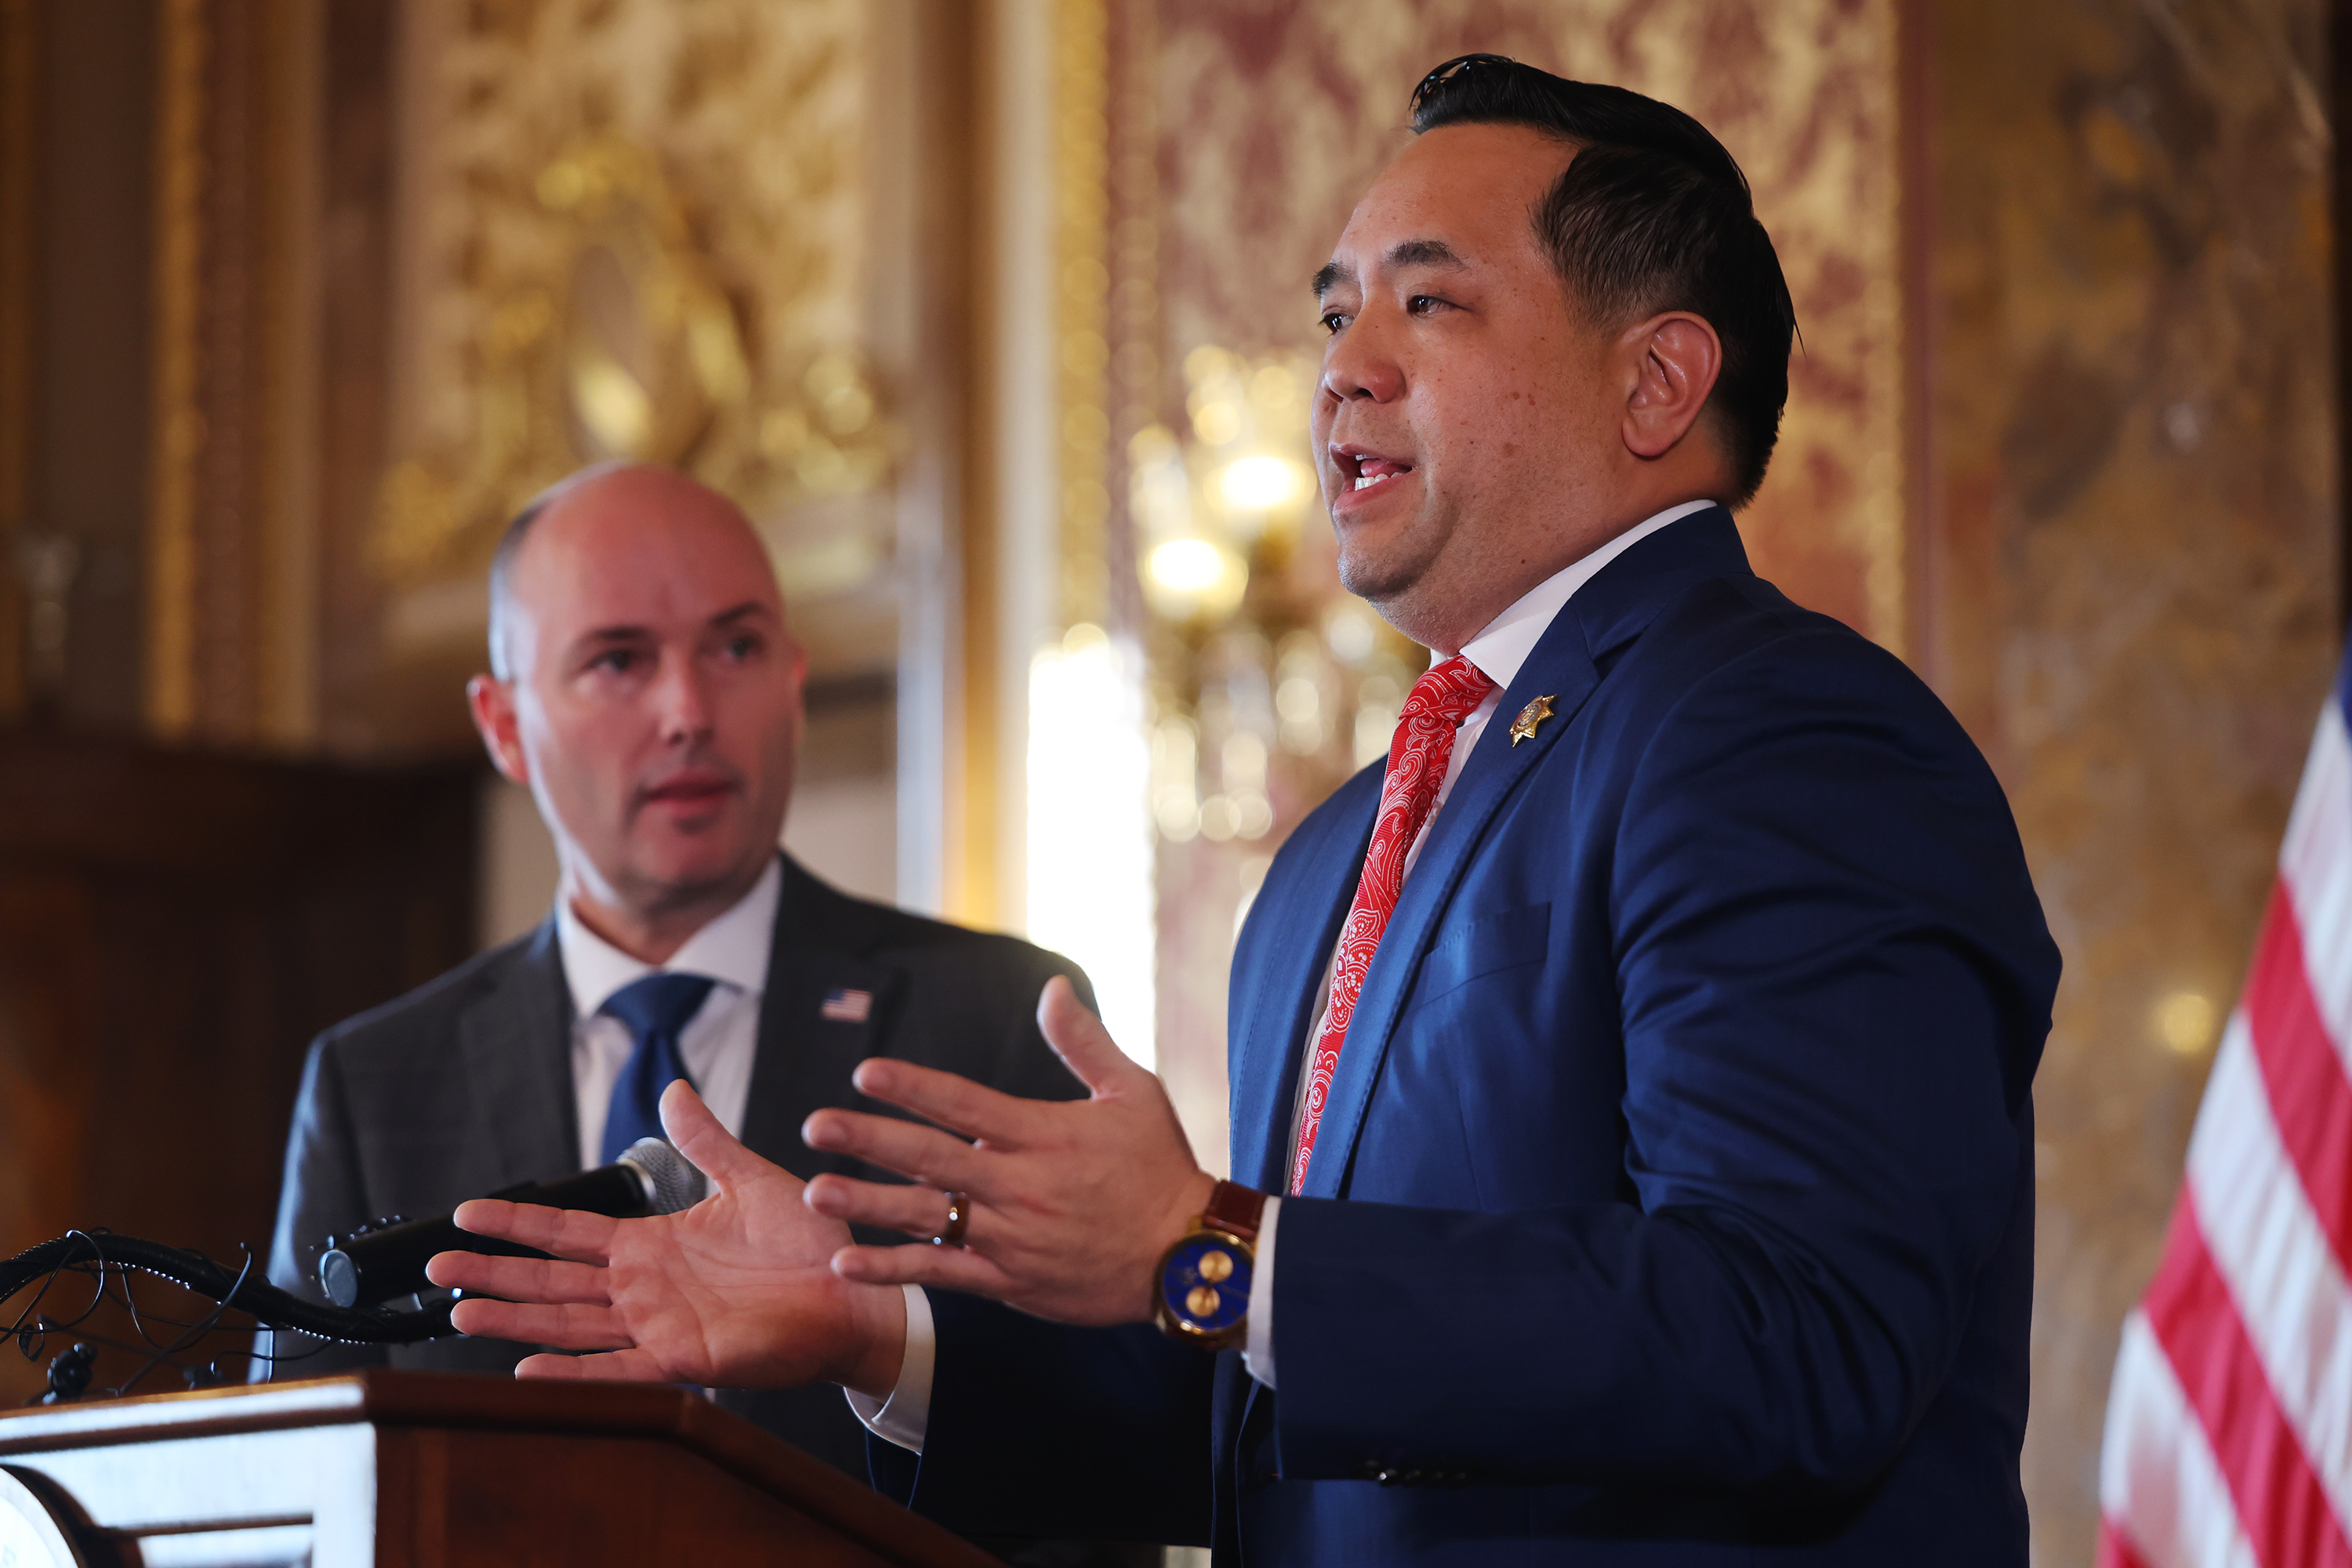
point(2229, 1436)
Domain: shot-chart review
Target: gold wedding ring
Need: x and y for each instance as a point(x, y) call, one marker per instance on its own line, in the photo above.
point(959, 1218)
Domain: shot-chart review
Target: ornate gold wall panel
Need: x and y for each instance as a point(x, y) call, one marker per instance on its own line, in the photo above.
point(638, 230)
point(228, 632)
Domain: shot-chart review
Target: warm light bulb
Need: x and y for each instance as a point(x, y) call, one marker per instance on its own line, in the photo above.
point(1258, 484)
point(2184, 1021)
point(1187, 565)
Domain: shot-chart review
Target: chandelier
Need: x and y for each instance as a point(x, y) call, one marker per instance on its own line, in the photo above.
point(1269, 683)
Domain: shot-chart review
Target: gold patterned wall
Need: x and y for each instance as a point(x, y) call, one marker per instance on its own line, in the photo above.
point(637, 229)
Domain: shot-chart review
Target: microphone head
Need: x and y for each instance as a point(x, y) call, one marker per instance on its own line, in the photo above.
point(339, 1277)
point(671, 1183)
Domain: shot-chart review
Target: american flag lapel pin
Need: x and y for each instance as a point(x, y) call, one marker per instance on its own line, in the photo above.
point(845, 1006)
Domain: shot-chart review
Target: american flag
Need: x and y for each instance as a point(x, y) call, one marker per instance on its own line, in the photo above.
point(843, 1005)
point(2229, 1433)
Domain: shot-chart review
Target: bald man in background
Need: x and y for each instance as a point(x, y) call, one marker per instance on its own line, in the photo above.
point(645, 686)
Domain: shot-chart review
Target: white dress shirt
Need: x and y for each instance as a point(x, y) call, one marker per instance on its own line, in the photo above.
point(718, 1043)
point(1499, 651)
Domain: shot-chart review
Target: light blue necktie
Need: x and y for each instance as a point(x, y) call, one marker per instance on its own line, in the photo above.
point(655, 1009)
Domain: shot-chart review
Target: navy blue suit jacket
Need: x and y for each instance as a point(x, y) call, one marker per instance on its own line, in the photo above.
point(1674, 1201)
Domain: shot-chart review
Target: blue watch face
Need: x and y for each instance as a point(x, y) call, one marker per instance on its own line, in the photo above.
point(1207, 1283)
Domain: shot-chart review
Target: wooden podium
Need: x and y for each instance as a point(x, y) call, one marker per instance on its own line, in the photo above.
point(394, 1469)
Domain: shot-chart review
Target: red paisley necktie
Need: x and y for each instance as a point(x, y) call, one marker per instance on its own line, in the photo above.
point(1441, 700)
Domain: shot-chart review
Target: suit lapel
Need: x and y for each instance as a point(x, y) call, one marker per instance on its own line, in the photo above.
point(516, 1044)
point(1608, 611)
point(1295, 924)
point(803, 1059)
point(1292, 930)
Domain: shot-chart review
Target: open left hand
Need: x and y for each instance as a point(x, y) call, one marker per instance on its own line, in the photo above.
point(1072, 1201)
point(735, 1292)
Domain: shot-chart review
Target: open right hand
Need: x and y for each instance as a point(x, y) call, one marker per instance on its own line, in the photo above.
point(738, 1291)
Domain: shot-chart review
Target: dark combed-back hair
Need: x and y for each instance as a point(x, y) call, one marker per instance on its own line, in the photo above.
point(1652, 214)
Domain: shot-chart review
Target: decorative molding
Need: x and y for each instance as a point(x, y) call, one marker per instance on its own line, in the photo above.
point(232, 525)
point(232, 313)
point(1081, 252)
point(178, 429)
point(1132, 314)
point(233, 528)
point(1010, 301)
point(285, 636)
point(20, 99)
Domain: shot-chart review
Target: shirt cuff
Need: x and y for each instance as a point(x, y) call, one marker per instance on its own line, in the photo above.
point(904, 1417)
point(1257, 1340)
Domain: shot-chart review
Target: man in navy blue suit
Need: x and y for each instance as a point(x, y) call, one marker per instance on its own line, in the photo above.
point(1631, 1079)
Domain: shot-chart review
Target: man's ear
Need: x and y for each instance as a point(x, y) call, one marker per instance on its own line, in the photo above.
point(1674, 359)
point(491, 701)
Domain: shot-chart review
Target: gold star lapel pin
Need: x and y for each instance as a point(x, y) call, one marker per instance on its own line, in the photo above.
point(1523, 727)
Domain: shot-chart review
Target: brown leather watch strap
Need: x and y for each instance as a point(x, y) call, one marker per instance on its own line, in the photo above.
point(1234, 1209)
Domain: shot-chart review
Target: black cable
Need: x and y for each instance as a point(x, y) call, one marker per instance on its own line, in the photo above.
point(83, 1251)
point(188, 1336)
point(19, 1330)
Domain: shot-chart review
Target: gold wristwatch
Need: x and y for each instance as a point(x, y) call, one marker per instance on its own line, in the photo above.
point(1203, 1289)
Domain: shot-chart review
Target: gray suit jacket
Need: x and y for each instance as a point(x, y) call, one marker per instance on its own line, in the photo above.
point(464, 1087)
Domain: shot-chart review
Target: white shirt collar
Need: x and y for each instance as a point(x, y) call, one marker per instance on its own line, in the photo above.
point(1509, 637)
point(732, 949)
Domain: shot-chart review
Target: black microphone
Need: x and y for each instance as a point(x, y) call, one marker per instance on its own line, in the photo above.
point(376, 1263)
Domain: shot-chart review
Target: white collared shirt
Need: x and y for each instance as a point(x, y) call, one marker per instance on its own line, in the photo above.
point(718, 1043)
point(1499, 651)
point(1503, 647)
